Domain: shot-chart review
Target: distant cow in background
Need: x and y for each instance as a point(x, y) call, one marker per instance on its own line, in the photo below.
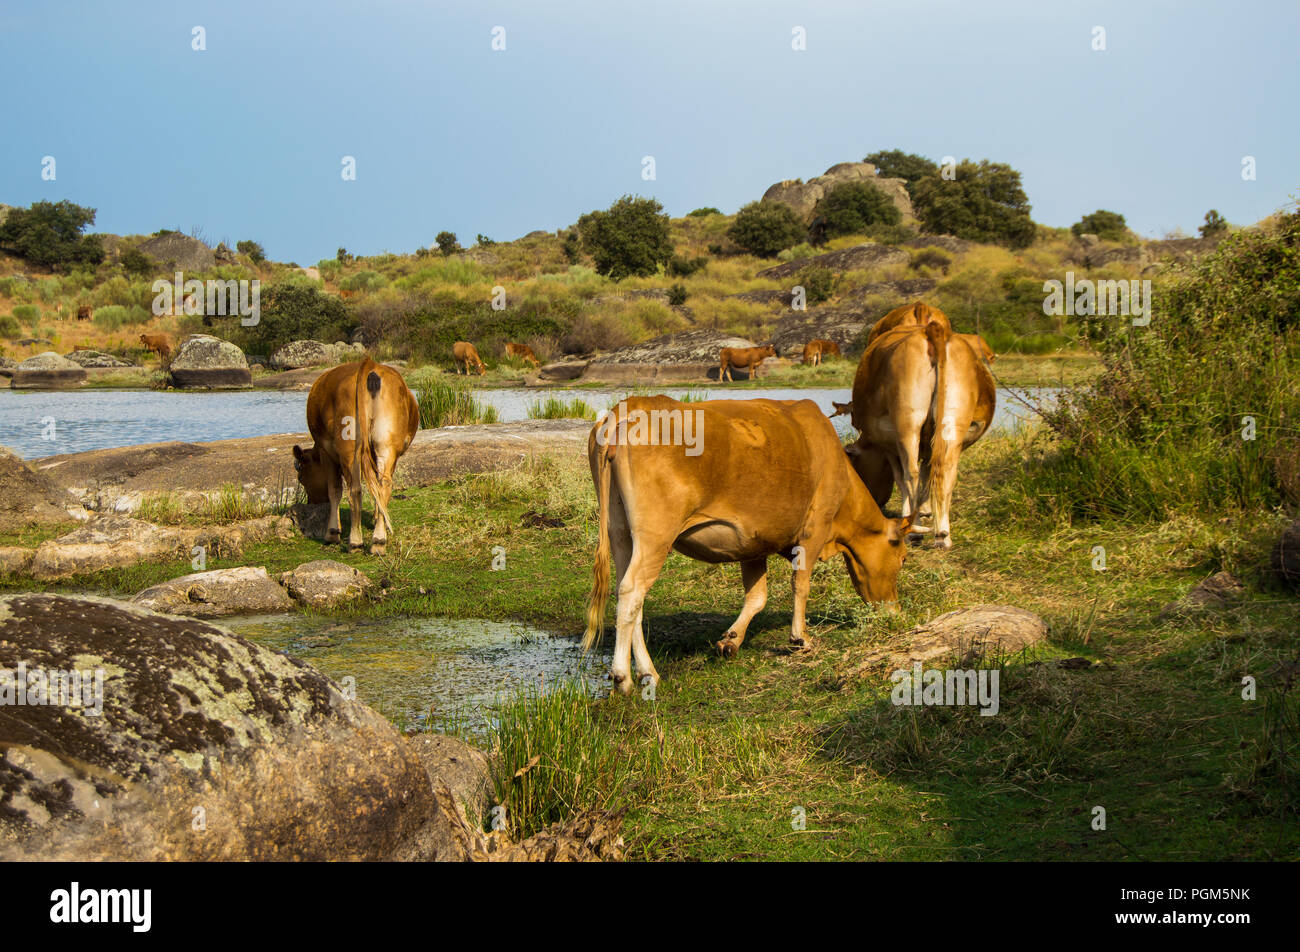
point(85, 312)
point(160, 344)
point(817, 348)
point(463, 352)
point(362, 417)
point(748, 359)
point(524, 352)
point(345, 294)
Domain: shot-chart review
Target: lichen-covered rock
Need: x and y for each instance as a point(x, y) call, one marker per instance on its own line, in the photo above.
point(858, 258)
point(48, 371)
point(804, 196)
point(209, 363)
point(28, 496)
point(324, 583)
point(95, 358)
point(967, 634)
point(298, 354)
point(244, 590)
point(177, 251)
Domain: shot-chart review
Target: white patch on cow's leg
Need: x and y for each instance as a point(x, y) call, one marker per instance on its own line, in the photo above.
point(753, 575)
point(642, 570)
point(798, 627)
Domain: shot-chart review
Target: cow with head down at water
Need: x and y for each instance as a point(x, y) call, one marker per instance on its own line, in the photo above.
point(363, 417)
point(727, 481)
point(921, 396)
point(818, 348)
point(463, 352)
point(523, 352)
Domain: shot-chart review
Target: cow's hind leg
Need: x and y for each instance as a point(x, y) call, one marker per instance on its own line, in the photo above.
point(384, 466)
point(753, 575)
point(355, 540)
point(334, 483)
point(643, 567)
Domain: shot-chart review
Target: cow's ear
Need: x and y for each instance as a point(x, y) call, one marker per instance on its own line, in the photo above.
point(297, 452)
point(898, 529)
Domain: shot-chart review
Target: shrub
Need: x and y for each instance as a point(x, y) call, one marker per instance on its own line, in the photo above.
point(765, 228)
point(818, 283)
point(484, 241)
point(677, 295)
point(853, 207)
point(680, 266)
point(9, 327)
point(293, 310)
point(1162, 429)
point(1215, 225)
point(29, 314)
point(629, 239)
point(1108, 226)
point(703, 212)
point(49, 234)
point(895, 163)
point(110, 318)
point(930, 257)
point(364, 281)
point(555, 408)
point(252, 249)
point(447, 243)
point(135, 262)
point(985, 203)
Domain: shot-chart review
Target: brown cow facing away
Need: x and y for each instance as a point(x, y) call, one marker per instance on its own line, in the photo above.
point(727, 481)
point(362, 417)
point(817, 348)
point(85, 312)
point(524, 352)
point(918, 315)
point(160, 344)
point(921, 395)
point(463, 352)
point(748, 359)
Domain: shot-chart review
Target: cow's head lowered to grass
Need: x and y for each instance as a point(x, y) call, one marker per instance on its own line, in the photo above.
point(314, 473)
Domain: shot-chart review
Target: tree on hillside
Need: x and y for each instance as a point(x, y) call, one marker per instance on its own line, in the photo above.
point(984, 202)
point(895, 163)
point(255, 252)
point(447, 243)
point(766, 228)
point(1215, 225)
point(853, 207)
point(49, 234)
point(629, 239)
point(703, 212)
point(1108, 226)
point(295, 310)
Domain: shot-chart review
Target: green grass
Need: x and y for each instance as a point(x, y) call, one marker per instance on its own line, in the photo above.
point(556, 408)
point(1155, 730)
point(447, 401)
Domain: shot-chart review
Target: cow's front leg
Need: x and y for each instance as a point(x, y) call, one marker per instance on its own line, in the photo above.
point(799, 637)
point(335, 487)
point(753, 575)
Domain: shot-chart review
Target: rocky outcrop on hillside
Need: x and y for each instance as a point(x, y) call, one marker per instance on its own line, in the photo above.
point(179, 252)
point(209, 363)
point(858, 258)
point(840, 323)
point(804, 196)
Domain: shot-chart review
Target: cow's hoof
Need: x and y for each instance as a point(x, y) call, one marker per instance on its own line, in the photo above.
point(943, 540)
point(622, 683)
point(728, 645)
point(798, 644)
point(332, 537)
point(377, 548)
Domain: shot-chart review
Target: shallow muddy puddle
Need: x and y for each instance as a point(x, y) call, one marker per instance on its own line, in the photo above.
point(440, 673)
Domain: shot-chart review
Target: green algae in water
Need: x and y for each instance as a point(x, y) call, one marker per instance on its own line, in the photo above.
point(440, 673)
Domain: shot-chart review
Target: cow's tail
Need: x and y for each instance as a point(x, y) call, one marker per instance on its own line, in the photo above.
point(600, 571)
point(937, 337)
point(367, 388)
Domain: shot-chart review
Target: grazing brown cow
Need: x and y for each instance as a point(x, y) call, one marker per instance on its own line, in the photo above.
point(817, 348)
point(345, 294)
point(524, 352)
point(362, 417)
point(727, 481)
point(748, 359)
point(921, 395)
point(85, 312)
point(463, 352)
point(160, 344)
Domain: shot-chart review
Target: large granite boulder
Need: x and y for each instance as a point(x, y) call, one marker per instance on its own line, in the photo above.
point(179, 252)
point(324, 583)
point(182, 741)
point(96, 359)
point(209, 363)
point(28, 496)
point(245, 590)
point(298, 354)
point(804, 196)
point(858, 258)
point(843, 324)
point(968, 635)
point(48, 371)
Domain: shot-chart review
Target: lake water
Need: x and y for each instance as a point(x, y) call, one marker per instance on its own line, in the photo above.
point(99, 419)
point(430, 672)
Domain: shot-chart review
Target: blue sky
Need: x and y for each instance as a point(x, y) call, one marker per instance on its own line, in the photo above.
point(245, 139)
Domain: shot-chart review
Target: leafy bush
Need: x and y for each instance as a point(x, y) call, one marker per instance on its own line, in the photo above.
point(1215, 225)
point(364, 281)
point(818, 283)
point(1164, 428)
point(1108, 226)
point(680, 266)
point(677, 295)
point(14, 287)
point(765, 228)
point(49, 234)
point(984, 203)
point(447, 243)
point(484, 241)
point(9, 327)
point(135, 262)
point(294, 310)
point(895, 163)
point(853, 207)
point(703, 212)
point(930, 257)
point(110, 318)
point(27, 313)
point(251, 248)
point(629, 239)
